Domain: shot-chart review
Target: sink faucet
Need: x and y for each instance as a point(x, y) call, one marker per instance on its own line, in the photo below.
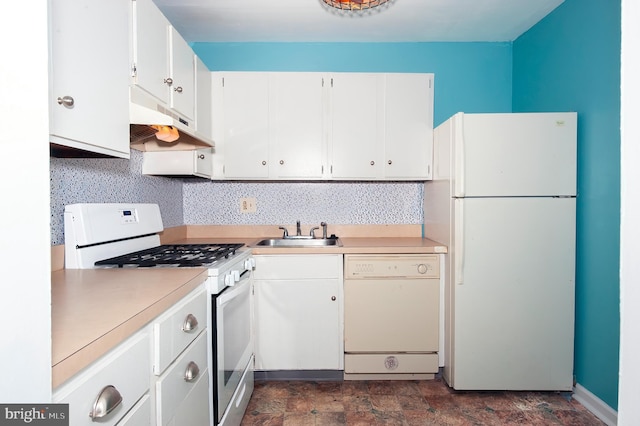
point(298, 230)
point(285, 233)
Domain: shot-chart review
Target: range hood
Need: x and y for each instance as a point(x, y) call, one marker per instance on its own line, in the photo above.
point(145, 114)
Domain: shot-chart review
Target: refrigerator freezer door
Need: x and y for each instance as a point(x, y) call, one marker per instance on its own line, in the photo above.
point(527, 154)
point(511, 294)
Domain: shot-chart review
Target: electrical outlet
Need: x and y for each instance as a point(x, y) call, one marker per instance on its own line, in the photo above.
point(247, 205)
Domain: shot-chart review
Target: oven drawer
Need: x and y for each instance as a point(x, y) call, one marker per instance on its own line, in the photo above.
point(181, 401)
point(175, 329)
point(390, 363)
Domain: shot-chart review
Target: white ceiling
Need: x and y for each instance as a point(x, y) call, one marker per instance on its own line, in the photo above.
point(312, 21)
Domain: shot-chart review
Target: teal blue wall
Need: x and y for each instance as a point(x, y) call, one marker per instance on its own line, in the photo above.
point(570, 62)
point(470, 77)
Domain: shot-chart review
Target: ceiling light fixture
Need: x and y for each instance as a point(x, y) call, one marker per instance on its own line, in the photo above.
point(355, 5)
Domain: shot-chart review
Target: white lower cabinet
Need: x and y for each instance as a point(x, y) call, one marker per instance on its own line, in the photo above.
point(182, 392)
point(158, 376)
point(180, 363)
point(298, 312)
point(114, 384)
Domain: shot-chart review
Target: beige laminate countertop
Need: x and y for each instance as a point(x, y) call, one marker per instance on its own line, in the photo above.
point(92, 310)
point(350, 245)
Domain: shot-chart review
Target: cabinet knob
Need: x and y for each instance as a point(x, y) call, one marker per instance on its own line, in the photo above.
point(264, 163)
point(190, 323)
point(108, 399)
point(201, 156)
point(281, 161)
point(373, 163)
point(389, 162)
point(333, 298)
point(192, 371)
point(178, 89)
point(168, 81)
point(66, 101)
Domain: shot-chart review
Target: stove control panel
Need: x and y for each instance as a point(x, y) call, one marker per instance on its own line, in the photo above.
point(128, 216)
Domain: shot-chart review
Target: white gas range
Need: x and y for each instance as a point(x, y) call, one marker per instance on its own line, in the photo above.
point(127, 236)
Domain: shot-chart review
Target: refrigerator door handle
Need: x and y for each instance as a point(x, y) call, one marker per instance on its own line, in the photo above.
point(459, 242)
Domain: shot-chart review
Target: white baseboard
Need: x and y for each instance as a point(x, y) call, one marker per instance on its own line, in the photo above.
point(594, 404)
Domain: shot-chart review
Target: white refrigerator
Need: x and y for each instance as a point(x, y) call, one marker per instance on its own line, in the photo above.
point(503, 200)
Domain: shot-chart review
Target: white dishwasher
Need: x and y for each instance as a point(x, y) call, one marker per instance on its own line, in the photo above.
point(391, 316)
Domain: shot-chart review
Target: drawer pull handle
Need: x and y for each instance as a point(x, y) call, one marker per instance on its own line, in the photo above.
point(192, 371)
point(108, 399)
point(190, 323)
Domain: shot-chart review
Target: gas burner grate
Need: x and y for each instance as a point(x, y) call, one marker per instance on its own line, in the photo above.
point(179, 255)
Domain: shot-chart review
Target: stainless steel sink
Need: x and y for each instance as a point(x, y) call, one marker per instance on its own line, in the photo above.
point(299, 242)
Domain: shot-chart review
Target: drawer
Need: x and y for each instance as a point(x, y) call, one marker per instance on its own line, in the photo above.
point(140, 415)
point(126, 368)
point(174, 392)
point(171, 330)
point(390, 363)
point(286, 267)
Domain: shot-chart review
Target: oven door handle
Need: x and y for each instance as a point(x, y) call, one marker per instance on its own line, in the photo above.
point(235, 291)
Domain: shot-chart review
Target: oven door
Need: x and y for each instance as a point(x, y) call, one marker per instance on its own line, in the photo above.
point(232, 345)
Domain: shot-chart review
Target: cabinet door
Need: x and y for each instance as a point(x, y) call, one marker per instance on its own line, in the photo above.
point(245, 125)
point(183, 75)
point(298, 324)
point(203, 102)
point(297, 125)
point(89, 58)
point(408, 140)
point(151, 54)
point(356, 122)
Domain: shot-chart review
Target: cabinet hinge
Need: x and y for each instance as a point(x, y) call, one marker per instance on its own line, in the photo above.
point(331, 81)
point(134, 70)
point(222, 81)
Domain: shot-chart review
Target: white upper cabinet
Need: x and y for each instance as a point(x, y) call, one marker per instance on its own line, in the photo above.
point(408, 138)
point(203, 99)
point(150, 52)
point(241, 124)
point(182, 71)
point(297, 125)
point(89, 100)
point(356, 133)
point(322, 126)
point(163, 64)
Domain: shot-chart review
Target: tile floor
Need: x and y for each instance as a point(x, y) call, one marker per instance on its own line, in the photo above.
point(407, 403)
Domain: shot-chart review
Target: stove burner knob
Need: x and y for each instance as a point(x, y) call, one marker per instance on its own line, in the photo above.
point(228, 279)
point(236, 276)
point(250, 264)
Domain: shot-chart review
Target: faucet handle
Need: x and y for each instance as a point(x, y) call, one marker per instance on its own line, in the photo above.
point(285, 234)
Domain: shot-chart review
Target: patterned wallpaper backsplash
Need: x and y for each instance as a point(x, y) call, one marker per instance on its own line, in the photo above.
point(199, 201)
